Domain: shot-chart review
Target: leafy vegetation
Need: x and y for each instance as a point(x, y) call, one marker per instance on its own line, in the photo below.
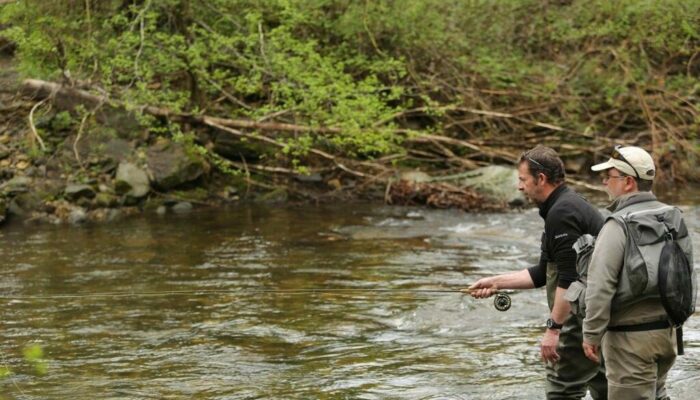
point(369, 77)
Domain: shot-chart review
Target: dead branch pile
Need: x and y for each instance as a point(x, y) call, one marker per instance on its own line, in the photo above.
point(439, 195)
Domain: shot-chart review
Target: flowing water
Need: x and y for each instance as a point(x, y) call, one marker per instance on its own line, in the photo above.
point(221, 337)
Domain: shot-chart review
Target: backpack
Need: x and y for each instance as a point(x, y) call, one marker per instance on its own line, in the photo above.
point(676, 280)
point(576, 293)
point(653, 235)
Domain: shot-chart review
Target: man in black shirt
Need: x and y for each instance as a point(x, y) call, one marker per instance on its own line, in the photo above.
point(566, 216)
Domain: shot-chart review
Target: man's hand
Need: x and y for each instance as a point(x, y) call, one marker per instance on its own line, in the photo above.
point(548, 351)
point(484, 287)
point(591, 351)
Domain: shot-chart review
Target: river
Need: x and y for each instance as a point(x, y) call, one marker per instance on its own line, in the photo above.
point(170, 307)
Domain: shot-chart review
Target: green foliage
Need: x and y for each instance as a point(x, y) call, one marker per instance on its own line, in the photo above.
point(62, 121)
point(362, 66)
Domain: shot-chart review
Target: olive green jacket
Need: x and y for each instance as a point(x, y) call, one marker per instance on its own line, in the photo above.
point(603, 274)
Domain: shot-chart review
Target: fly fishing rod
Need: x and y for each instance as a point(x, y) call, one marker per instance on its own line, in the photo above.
point(501, 301)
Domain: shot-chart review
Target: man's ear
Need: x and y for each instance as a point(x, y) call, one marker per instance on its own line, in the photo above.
point(541, 177)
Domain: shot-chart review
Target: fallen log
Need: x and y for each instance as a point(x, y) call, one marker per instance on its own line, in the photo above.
point(41, 89)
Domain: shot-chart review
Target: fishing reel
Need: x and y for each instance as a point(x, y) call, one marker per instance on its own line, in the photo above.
point(502, 302)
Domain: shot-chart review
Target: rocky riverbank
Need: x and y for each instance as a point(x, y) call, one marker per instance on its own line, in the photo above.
point(58, 167)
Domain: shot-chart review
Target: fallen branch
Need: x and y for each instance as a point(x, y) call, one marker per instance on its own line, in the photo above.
point(438, 195)
point(212, 122)
point(81, 129)
point(426, 138)
point(32, 127)
point(40, 88)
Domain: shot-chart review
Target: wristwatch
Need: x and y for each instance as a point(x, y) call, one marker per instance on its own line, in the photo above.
point(553, 325)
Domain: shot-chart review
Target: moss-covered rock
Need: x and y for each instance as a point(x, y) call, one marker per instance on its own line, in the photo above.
point(75, 191)
point(275, 196)
point(171, 164)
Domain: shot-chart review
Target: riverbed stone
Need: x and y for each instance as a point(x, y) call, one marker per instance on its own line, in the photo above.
point(75, 191)
point(182, 207)
point(22, 165)
point(6, 174)
point(171, 165)
point(106, 200)
point(275, 196)
point(77, 216)
point(48, 189)
point(131, 181)
point(335, 184)
point(14, 209)
point(310, 178)
point(24, 203)
point(100, 149)
point(115, 151)
point(4, 151)
point(16, 185)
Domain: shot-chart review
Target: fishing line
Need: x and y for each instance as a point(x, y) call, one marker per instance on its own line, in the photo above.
point(502, 300)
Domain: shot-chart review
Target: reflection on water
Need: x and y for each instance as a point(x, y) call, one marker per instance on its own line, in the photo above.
point(239, 343)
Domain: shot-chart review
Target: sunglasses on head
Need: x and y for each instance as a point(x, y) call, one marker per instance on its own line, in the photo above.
point(532, 160)
point(616, 155)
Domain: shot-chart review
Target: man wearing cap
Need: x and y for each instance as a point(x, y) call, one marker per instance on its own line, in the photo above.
point(566, 216)
point(636, 339)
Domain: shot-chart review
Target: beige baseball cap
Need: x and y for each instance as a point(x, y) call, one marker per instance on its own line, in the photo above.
point(631, 160)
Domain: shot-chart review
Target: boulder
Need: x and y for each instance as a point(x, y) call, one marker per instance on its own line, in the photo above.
point(496, 182)
point(114, 151)
point(77, 216)
point(171, 165)
point(16, 185)
point(182, 207)
point(275, 196)
point(100, 149)
point(4, 151)
point(25, 203)
point(106, 200)
point(234, 148)
point(131, 181)
point(76, 191)
point(414, 176)
point(310, 178)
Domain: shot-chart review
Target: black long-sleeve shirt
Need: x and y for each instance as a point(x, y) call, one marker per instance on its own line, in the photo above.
point(566, 216)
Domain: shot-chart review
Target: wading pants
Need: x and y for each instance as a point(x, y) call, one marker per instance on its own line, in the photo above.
point(637, 363)
point(574, 373)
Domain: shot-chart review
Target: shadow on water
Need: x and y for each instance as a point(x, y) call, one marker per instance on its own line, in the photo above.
point(224, 339)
